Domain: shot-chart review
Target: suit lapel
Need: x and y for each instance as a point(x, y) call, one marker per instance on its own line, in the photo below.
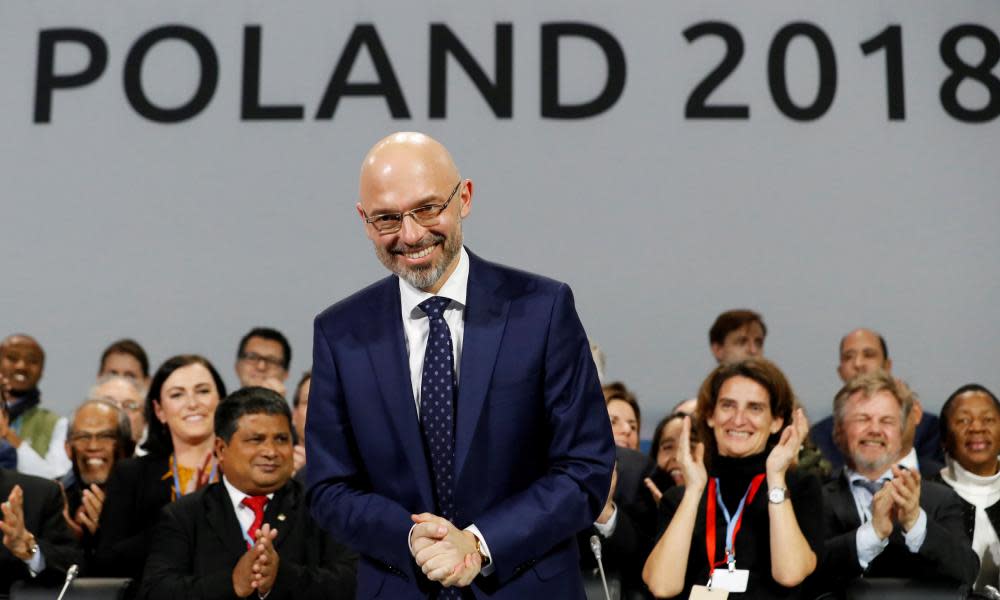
point(485, 320)
point(390, 364)
point(282, 511)
point(221, 519)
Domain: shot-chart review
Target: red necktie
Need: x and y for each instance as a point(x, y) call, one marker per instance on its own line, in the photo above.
point(256, 504)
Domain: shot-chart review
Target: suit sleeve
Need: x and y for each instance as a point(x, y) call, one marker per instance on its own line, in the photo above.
point(580, 457)
point(338, 493)
point(169, 564)
point(946, 545)
point(335, 577)
point(55, 541)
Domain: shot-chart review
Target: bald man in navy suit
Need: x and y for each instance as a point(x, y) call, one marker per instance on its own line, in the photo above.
point(457, 436)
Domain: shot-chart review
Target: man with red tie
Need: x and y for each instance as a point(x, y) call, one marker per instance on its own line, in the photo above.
point(251, 533)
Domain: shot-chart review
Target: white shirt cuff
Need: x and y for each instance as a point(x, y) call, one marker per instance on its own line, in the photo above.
point(487, 570)
point(608, 529)
point(868, 544)
point(36, 564)
point(916, 536)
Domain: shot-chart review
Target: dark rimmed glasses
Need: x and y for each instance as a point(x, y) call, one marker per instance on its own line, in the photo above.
point(425, 215)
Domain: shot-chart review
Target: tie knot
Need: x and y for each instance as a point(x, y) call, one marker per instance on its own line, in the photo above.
point(255, 502)
point(434, 306)
point(871, 486)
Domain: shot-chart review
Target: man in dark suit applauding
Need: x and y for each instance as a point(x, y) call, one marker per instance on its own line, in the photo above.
point(35, 542)
point(456, 434)
point(882, 520)
point(250, 533)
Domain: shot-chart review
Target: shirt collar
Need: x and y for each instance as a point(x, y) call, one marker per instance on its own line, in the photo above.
point(853, 475)
point(454, 289)
point(236, 496)
point(910, 461)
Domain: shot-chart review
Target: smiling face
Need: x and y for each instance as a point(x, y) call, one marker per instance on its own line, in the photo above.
point(257, 460)
point(404, 172)
point(974, 426)
point(666, 453)
point(624, 424)
point(21, 362)
point(187, 404)
point(742, 420)
point(91, 446)
point(870, 433)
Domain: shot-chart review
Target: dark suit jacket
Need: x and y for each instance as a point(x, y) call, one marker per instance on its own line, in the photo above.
point(135, 493)
point(945, 557)
point(43, 505)
point(533, 443)
point(198, 542)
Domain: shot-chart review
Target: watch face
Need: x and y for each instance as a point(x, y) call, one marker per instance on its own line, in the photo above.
point(776, 495)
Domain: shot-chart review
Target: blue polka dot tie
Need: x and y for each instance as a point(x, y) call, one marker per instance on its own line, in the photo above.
point(437, 416)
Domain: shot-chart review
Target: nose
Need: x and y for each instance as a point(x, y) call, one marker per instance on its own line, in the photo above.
point(755, 349)
point(411, 232)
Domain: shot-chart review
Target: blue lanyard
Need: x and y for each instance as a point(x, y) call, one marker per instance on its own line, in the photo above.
point(733, 521)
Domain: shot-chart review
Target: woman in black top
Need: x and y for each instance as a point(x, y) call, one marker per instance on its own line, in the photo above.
point(180, 410)
point(742, 474)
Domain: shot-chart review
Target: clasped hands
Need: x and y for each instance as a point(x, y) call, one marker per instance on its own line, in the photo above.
point(258, 567)
point(443, 552)
point(897, 502)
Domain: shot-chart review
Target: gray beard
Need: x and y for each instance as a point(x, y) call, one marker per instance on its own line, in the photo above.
point(423, 278)
point(873, 466)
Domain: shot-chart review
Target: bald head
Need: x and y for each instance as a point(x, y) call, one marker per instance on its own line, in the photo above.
point(405, 156)
point(862, 351)
point(21, 362)
point(412, 201)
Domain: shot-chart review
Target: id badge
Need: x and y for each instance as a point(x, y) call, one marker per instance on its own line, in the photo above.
point(734, 580)
point(700, 592)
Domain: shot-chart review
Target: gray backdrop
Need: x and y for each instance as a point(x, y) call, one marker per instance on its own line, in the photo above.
point(185, 235)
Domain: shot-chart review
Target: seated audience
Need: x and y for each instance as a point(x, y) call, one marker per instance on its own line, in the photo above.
point(742, 472)
point(300, 407)
point(125, 358)
point(883, 520)
point(99, 437)
point(127, 394)
point(623, 409)
point(180, 410)
point(263, 359)
point(251, 532)
point(970, 428)
point(737, 335)
point(37, 434)
point(865, 351)
point(35, 543)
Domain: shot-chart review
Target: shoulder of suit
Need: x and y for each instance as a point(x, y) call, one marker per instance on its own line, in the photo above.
point(515, 281)
point(33, 486)
point(358, 300)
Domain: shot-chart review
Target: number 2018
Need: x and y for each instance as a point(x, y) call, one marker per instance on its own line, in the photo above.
point(889, 40)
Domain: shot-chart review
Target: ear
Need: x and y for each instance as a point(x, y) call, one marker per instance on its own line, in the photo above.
point(887, 365)
point(716, 351)
point(465, 197)
point(220, 448)
point(776, 424)
point(158, 411)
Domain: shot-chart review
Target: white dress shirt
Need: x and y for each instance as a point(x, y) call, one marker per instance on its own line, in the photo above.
point(416, 329)
point(244, 514)
point(866, 540)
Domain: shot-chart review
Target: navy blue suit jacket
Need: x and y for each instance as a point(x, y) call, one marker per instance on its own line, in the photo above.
point(533, 444)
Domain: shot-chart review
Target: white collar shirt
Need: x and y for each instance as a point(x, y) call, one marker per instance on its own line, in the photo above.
point(244, 514)
point(416, 325)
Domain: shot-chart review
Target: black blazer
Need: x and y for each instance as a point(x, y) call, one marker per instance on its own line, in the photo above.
point(945, 557)
point(135, 493)
point(198, 542)
point(43, 505)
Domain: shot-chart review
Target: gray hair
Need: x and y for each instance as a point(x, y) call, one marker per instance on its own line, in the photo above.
point(139, 390)
point(124, 424)
point(871, 384)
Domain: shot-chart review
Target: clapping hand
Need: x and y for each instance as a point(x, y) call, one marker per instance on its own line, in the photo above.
point(786, 452)
point(692, 461)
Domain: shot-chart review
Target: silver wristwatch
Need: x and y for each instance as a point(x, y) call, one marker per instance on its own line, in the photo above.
point(777, 495)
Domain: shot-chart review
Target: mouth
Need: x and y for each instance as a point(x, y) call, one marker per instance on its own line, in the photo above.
point(268, 468)
point(978, 445)
point(95, 463)
point(19, 377)
point(194, 418)
point(872, 444)
point(740, 435)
